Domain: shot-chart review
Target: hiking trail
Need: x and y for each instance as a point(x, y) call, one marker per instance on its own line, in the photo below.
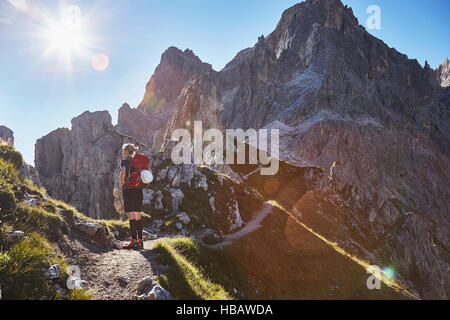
point(103, 269)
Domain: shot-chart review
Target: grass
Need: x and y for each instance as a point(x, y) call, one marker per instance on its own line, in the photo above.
point(195, 272)
point(283, 260)
point(38, 219)
point(9, 154)
point(22, 264)
point(80, 294)
point(21, 269)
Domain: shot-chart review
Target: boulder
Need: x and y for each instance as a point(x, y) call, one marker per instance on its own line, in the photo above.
point(88, 228)
point(184, 218)
point(146, 284)
point(53, 272)
point(16, 235)
point(156, 293)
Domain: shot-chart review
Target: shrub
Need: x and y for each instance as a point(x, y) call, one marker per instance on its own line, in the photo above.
point(8, 172)
point(7, 198)
point(9, 154)
point(21, 269)
point(39, 220)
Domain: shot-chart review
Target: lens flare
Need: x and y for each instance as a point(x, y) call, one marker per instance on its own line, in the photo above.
point(100, 62)
point(389, 273)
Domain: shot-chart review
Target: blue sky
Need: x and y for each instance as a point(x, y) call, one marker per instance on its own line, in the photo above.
point(36, 98)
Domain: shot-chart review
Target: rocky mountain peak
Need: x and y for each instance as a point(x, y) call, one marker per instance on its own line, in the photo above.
point(443, 73)
point(171, 75)
point(7, 134)
point(92, 125)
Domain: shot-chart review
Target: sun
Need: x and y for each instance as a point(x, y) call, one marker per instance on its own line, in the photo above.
point(66, 41)
point(70, 40)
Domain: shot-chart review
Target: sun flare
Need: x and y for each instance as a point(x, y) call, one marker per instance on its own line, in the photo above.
point(65, 41)
point(71, 42)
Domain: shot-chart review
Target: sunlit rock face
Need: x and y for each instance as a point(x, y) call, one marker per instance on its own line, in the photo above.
point(443, 73)
point(77, 165)
point(160, 101)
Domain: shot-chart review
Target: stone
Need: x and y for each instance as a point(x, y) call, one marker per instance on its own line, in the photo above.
point(118, 245)
point(32, 202)
point(184, 218)
point(53, 272)
point(124, 280)
point(16, 235)
point(88, 228)
point(156, 293)
point(146, 284)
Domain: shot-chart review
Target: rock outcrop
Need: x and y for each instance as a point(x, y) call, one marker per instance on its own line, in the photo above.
point(7, 135)
point(27, 170)
point(77, 165)
point(149, 121)
point(443, 73)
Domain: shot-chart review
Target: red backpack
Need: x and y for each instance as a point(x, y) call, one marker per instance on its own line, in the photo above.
point(138, 163)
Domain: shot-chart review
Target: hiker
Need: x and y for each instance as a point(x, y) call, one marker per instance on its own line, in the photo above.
point(131, 166)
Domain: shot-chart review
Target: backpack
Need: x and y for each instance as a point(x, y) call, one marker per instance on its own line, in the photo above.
point(139, 163)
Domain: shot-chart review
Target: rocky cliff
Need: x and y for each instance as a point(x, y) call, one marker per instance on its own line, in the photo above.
point(344, 101)
point(443, 73)
point(77, 165)
point(7, 134)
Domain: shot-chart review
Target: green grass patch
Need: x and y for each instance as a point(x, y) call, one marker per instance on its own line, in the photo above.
point(196, 272)
point(22, 266)
point(80, 294)
point(9, 154)
point(37, 219)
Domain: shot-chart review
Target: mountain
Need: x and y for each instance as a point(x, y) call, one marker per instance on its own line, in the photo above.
point(443, 73)
point(7, 134)
point(374, 121)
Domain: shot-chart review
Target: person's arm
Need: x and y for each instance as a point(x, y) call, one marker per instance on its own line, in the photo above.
point(122, 177)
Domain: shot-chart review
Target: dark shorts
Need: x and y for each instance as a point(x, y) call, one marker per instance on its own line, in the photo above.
point(132, 199)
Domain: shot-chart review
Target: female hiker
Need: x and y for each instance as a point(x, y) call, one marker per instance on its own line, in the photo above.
point(132, 197)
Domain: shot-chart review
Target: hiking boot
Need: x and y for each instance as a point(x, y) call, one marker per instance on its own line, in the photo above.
point(131, 245)
point(140, 244)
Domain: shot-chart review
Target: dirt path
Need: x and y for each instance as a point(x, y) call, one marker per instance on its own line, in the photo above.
point(251, 226)
point(103, 269)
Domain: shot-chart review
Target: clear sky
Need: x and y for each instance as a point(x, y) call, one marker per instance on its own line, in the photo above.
point(48, 76)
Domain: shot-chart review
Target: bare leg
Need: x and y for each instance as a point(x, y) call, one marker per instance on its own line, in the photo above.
point(137, 216)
